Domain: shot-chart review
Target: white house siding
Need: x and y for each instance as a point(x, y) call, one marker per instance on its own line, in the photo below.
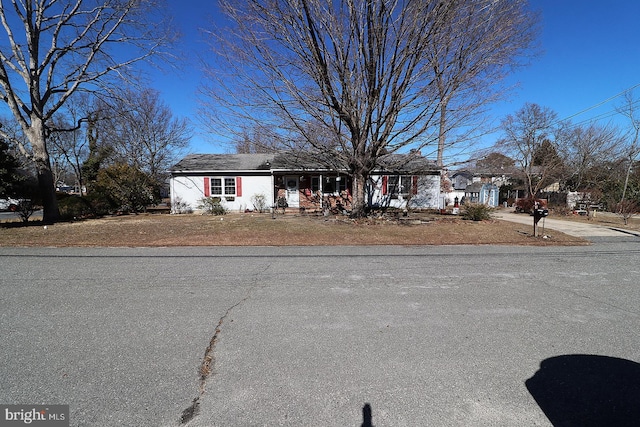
point(252, 185)
point(428, 193)
point(191, 190)
point(188, 190)
point(426, 198)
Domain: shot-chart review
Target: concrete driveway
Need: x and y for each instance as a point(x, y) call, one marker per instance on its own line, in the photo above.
point(572, 228)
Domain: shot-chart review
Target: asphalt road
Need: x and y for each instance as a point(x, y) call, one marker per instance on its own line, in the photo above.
point(8, 215)
point(297, 336)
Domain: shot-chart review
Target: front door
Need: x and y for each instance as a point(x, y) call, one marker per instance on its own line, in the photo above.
point(292, 186)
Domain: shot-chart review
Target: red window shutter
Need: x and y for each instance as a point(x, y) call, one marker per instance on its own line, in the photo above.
point(207, 187)
point(385, 181)
point(239, 186)
point(414, 185)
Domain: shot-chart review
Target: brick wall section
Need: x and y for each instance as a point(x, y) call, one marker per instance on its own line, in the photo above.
point(312, 202)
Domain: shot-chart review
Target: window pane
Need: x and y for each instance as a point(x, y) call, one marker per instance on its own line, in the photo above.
point(230, 186)
point(406, 184)
point(392, 185)
point(216, 186)
point(329, 185)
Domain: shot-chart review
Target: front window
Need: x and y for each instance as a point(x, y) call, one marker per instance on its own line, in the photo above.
point(223, 186)
point(334, 184)
point(315, 184)
point(216, 186)
point(399, 185)
point(230, 186)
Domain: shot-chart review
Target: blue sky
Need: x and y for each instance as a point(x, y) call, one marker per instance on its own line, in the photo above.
point(590, 53)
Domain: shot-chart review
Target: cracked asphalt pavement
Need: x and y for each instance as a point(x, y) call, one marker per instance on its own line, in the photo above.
point(447, 336)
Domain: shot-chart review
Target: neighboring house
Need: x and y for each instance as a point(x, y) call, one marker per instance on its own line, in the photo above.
point(499, 177)
point(460, 180)
point(478, 186)
point(304, 184)
point(551, 188)
point(483, 193)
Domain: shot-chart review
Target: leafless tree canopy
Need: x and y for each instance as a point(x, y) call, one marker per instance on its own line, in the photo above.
point(584, 148)
point(631, 151)
point(484, 41)
point(363, 72)
point(68, 149)
point(50, 49)
point(140, 130)
point(530, 139)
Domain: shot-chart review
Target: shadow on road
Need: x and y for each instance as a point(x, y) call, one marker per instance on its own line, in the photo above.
point(366, 416)
point(588, 390)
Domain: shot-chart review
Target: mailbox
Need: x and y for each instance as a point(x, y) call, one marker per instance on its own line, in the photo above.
point(540, 213)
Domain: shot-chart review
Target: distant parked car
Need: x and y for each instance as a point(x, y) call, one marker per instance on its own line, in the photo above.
point(9, 204)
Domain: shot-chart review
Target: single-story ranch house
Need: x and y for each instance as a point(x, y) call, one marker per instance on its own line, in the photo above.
point(303, 184)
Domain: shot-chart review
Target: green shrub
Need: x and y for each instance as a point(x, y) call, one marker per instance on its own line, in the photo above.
point(126, 188)
point(73, 206)
point(212, 206)
point(99, 204)
point(476, 212)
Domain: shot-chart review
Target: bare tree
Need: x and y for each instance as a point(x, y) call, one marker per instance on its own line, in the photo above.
point(358, 69)
point(256, 139)
point(53, 49)
point(141, 131)
point(529, 139)
point(70, 146)
point(626, 209)
point(484, 41)
point(632, 148)
point(584, 149)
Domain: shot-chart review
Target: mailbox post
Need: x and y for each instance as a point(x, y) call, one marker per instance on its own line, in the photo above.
point(538, 213)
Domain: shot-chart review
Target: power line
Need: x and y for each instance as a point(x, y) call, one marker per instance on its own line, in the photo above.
point(601, 103)
point(601, 116)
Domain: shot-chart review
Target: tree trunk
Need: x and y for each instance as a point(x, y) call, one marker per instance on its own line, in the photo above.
point(442, 133)
point(91, 165)
point(46, 186)
point(626, 179)
point(358, 196)
point(50, 213)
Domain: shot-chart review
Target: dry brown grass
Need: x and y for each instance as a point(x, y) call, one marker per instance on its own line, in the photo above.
point(261, 230)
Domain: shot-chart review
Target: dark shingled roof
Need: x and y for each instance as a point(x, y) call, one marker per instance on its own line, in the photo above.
point(474, 188)
point(224, 162)
point(407, 163)
point(395, 163)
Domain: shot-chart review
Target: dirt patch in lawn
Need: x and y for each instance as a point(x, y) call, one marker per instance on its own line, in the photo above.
point(159, 230)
